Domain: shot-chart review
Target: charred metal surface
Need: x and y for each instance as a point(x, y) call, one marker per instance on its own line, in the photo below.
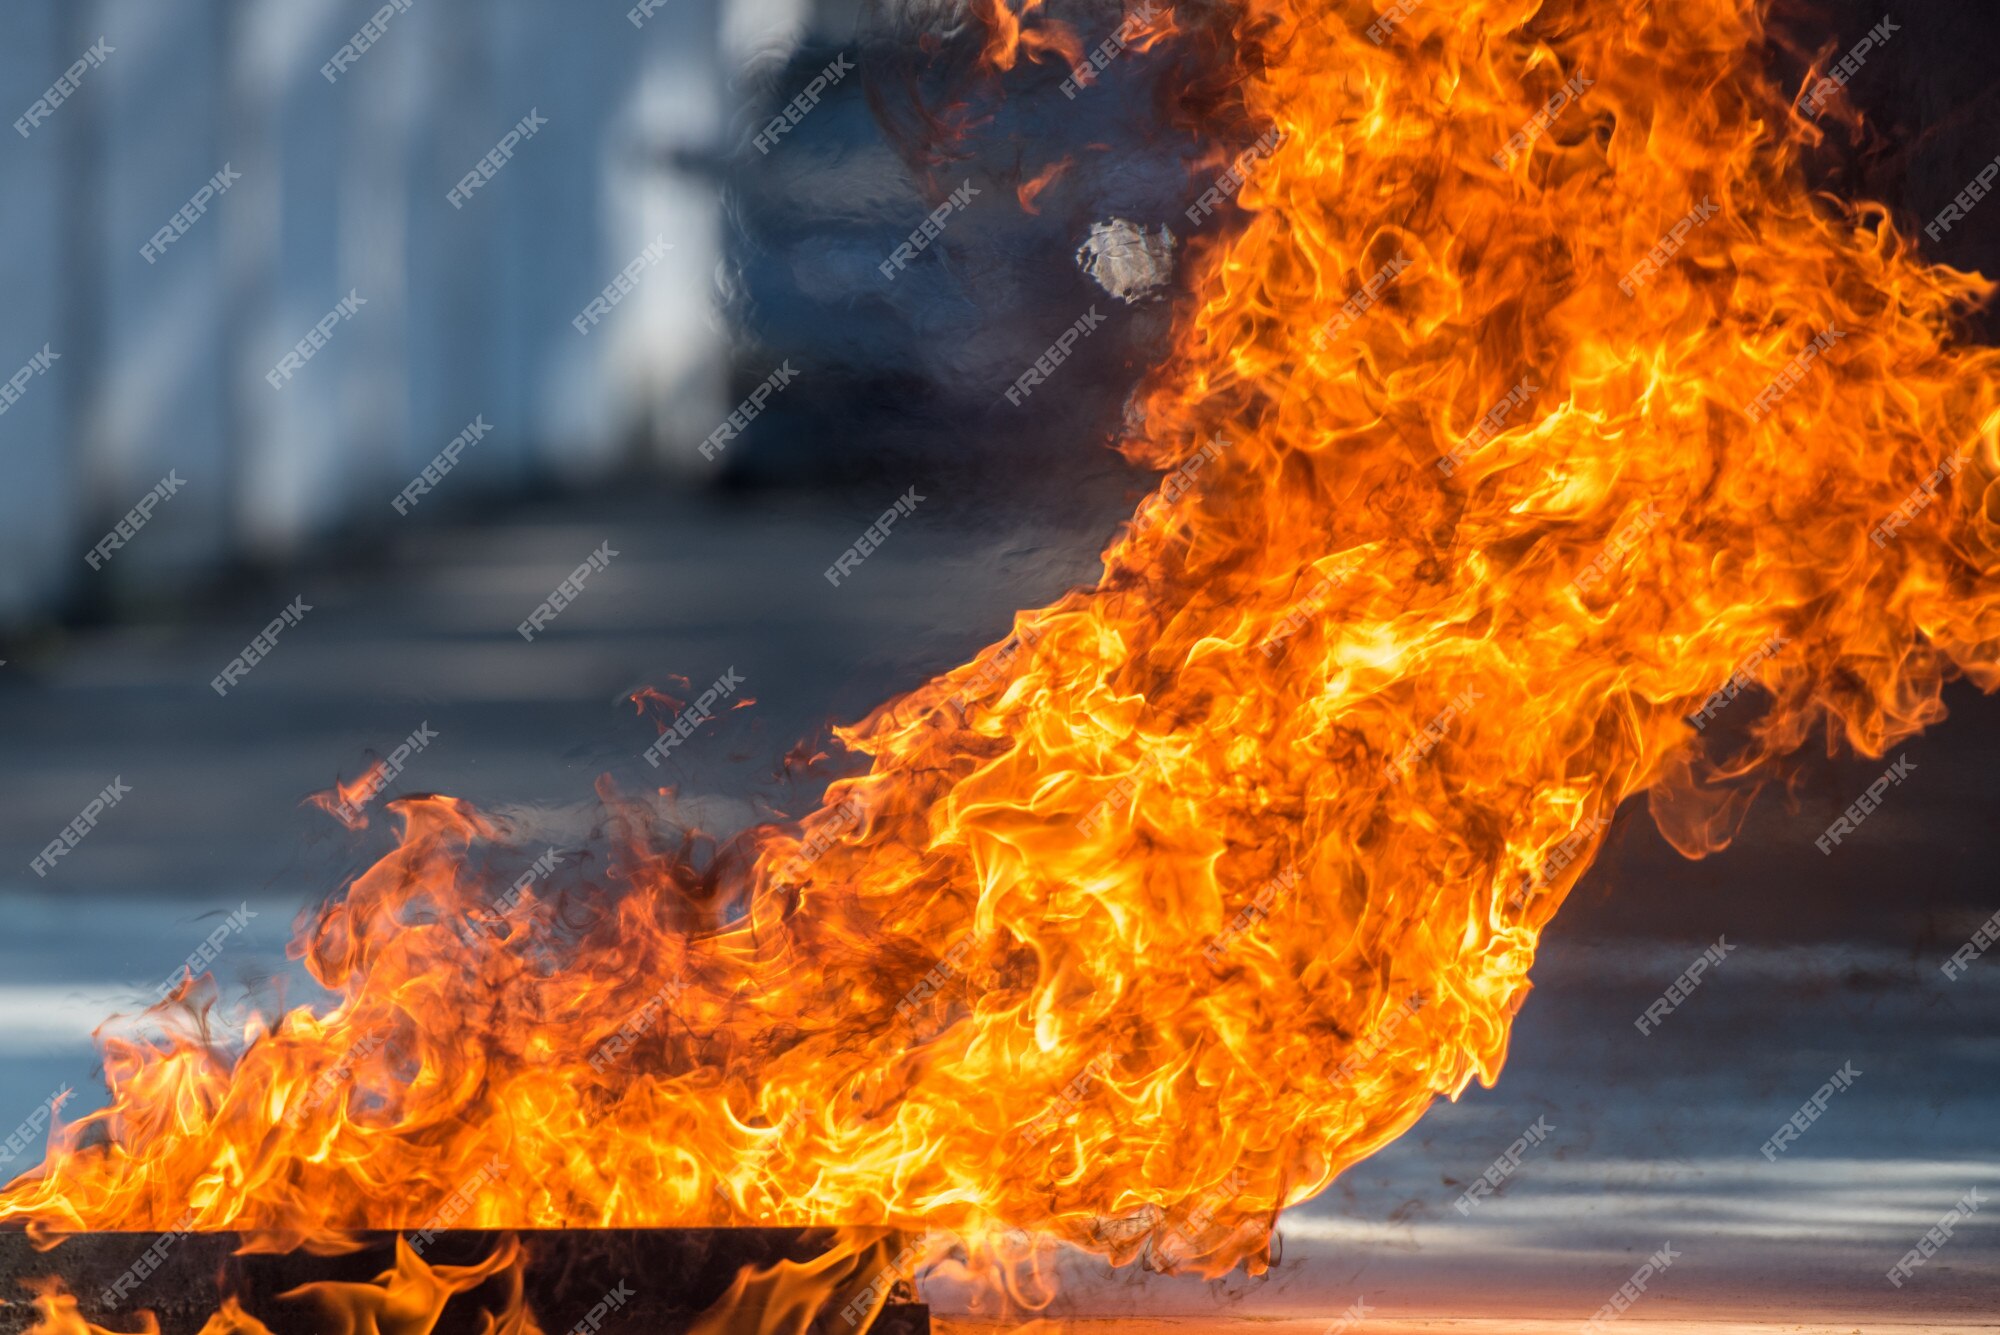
point(615, 1281)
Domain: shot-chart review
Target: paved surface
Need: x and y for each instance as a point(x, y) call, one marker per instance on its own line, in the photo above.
point(1655, 1138)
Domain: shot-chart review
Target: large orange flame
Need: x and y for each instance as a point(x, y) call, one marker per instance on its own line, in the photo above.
point(1209, 879)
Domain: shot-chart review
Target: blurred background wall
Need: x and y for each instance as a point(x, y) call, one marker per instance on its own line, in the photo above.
point(340, 184)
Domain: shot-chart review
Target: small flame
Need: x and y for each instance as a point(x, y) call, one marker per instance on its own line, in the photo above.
point(348, 802)
point(852, 1276)
point(406, 1299)
point(56, 1314)
point(1147, 24)
point(1030, 190)
point(231, 1319)
point(663, 707)
point(1009, 36)
point(410, 1296)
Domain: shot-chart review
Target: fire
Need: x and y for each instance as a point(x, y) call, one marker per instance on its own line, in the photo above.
point(1010, 35)
point(347, 802)
point(56, 1314)
point(855, 1274)
point(406, 1299)
point(1552, 398)
point(1031, 189)
point(409, 1298)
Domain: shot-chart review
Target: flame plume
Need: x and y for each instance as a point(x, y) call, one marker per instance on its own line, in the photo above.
point(1209, 879)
